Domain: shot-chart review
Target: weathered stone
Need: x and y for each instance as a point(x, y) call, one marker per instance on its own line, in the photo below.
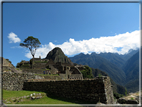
point(15, 81)
point(124, 101)
point(78, 89)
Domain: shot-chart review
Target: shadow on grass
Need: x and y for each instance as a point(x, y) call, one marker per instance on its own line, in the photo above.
point(75, 101)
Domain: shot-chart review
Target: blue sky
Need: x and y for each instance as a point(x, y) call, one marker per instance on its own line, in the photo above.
point(74, 27)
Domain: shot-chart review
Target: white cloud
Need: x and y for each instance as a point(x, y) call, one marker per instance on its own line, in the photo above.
point(13, 38)
point(125, 41)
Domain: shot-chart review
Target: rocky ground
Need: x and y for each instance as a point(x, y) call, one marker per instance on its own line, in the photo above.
point(132, 98)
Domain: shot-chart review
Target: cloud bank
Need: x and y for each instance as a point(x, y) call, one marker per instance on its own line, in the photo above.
point(120, 44)
point(13, 38)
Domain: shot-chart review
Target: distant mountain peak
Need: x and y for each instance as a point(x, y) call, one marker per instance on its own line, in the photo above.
point(57, 55)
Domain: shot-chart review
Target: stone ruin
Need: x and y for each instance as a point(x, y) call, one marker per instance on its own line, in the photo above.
point(65, 71)
point(95, 90)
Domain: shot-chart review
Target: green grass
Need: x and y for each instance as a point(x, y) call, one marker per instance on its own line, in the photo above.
point(46, 100)
point(9, 95)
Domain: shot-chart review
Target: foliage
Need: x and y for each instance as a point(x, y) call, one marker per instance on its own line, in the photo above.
point(9, 61)
point(100, 75)
point(87, 72)
point(18, 65)
point(117, 95)
point(31, 43)
point(22, 64)
point(132, 98)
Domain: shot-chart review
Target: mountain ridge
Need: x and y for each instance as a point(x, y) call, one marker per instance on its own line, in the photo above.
point(98, 62)
point(113, 62)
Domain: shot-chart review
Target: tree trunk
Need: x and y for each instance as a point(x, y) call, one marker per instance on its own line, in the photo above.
point(33, 62)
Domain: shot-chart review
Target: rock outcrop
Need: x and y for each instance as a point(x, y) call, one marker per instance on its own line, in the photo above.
point(8, 66)
point(132, 98)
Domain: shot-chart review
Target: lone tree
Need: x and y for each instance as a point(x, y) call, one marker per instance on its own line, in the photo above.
point(31, 43)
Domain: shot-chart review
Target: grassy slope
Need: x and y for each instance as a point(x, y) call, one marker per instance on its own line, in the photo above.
point(45, 100)
point(11, 94)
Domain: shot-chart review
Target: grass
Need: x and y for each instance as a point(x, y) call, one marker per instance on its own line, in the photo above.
point(45, 100)
point(132, 98)
point(9, 95)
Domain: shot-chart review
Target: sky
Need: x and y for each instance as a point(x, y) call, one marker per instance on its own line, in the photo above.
point(74, 27)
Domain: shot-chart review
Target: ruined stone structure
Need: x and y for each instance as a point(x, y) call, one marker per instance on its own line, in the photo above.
point(95, 90)
point(66, 71)
point(15, 81)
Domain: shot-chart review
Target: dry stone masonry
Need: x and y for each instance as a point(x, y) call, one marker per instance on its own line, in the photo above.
point(94, 90)
point(15, 81)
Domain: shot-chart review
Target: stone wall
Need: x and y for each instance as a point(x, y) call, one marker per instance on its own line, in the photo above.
point(95, 90)
point(15, 81)
point(36, 71)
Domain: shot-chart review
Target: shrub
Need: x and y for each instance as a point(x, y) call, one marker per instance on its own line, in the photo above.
point(87, 72)
point(100, 75)
point(117, 95)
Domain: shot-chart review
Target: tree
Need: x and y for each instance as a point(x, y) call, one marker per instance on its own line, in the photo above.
point(87, 72)
point(31, 43)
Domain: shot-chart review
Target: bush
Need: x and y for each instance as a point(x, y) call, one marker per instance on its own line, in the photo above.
point(117, 95)
point(100, 75)
point(87, 72)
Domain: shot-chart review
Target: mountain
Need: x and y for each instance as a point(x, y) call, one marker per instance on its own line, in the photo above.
point(132, 64)
point(113, 58)
point(116, 88)
point(57, 55)
point(98, 62)
point(128, 55)
point(117, 59)
point(131, 69)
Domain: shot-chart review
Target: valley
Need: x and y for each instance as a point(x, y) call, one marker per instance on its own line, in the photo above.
point(123, 69)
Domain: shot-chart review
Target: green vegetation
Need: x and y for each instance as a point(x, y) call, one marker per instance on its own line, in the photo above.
point(117, 95)
point(132, 98)
point(45, 100)
point(87, 72)
point(14, 97)
point(31, 43)
point(100, 75)
point(11, 94)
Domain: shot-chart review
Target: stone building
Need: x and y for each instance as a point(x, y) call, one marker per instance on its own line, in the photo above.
point(66, 71)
